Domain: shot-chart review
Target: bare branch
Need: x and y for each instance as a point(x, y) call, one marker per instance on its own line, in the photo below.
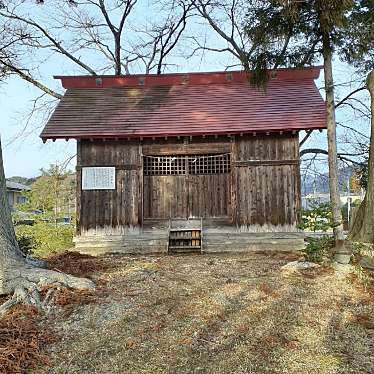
point(57, 44)
point(341, 102)
point(175, 30)
point(341, 156)
point(306, 137)
point(239, 52)
point(30, 79)
point(117, 31)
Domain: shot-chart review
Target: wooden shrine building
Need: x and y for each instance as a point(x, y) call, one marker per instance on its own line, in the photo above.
point(180, 162)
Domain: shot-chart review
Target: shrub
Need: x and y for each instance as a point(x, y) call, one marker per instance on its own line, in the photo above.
point(318, 218)
point(43, 238)
point(318, 248)
point(26, 242)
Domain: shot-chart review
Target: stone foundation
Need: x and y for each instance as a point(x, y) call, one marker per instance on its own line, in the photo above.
point(214, 240)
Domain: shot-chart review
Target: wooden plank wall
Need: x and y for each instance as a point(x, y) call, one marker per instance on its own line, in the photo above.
point(263, 188)
point(209, 195)
point(267, 181)
point(110, 208)
point(179, 196)
point(165, 196)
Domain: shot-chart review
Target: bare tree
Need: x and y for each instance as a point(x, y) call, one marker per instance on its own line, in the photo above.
point(23, 35)
point(116, 30)
point(227, 20)
point(163, 38)
point(353, 140)
point(90, 28)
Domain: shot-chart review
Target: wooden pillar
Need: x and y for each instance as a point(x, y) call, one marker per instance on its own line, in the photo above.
point(141, 186)
point(297, 181)
point(78, 203)
point(233, 183)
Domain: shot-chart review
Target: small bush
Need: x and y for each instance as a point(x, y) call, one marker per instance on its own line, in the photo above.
point(318, 218)
point(44, 238)
point(318, 248)
point(26, 243)
point(362, 276)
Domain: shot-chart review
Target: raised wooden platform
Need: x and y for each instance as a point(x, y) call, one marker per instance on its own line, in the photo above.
point(155, 238)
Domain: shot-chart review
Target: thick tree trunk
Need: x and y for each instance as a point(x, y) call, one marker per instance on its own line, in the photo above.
point(117, 61)
point(332, 147)
point(17, 275)
point(8, 244)
point(363, 226)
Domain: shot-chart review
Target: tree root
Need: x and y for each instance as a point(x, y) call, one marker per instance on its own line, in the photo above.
point(22, 296)
point(355, 233)
point(26, 283)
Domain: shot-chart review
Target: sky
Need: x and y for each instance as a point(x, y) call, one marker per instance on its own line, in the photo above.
point(25, 154)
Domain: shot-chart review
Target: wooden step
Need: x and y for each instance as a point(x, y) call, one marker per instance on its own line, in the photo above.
point(187, 247)
point(185, 240)
point(184, 250)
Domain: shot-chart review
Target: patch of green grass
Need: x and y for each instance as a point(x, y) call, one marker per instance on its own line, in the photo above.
point(44, 238)
point(318, 249)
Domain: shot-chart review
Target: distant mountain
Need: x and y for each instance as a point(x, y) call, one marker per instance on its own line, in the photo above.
point(22, 180)
point(320, 183)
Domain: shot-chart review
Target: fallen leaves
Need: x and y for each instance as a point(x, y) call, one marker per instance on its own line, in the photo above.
point(23, 342)
point(78, 264)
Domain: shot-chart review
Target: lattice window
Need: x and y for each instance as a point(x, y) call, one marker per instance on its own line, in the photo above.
point(209, 164)
point(165, 165)
point(187, 164)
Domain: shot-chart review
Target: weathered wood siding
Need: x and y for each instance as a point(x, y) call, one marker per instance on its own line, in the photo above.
point(266, 179)
point(187, 196)
point(110, 208)
point(209, 196)
point(165, 196)
point(263, 187)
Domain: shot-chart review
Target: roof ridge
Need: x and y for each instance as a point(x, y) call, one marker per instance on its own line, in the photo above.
point(189, 78)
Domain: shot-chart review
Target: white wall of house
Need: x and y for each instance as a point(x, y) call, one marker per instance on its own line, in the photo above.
point(14, 198)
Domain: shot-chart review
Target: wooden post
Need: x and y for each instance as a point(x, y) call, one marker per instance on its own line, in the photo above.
point(78, 203)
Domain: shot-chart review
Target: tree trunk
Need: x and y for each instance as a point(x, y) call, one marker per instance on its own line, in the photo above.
point(363, 226)
point(17, 274)
point(117, 61)
point(8, 244)
point(331, 138)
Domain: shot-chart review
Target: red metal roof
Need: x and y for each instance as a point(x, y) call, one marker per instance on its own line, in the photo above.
point(190, 104)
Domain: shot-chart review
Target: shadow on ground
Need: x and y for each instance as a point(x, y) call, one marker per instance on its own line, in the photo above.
point(217, 314)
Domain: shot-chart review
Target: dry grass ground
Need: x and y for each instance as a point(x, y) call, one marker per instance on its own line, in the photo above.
point(214, 314)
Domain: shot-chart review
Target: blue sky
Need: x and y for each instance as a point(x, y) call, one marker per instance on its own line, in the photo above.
point(24, 152)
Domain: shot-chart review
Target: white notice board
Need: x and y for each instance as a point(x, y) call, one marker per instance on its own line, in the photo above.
point(99, 178)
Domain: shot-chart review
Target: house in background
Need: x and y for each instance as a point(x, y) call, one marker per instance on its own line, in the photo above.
point(15, 193)
point(188, 162)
